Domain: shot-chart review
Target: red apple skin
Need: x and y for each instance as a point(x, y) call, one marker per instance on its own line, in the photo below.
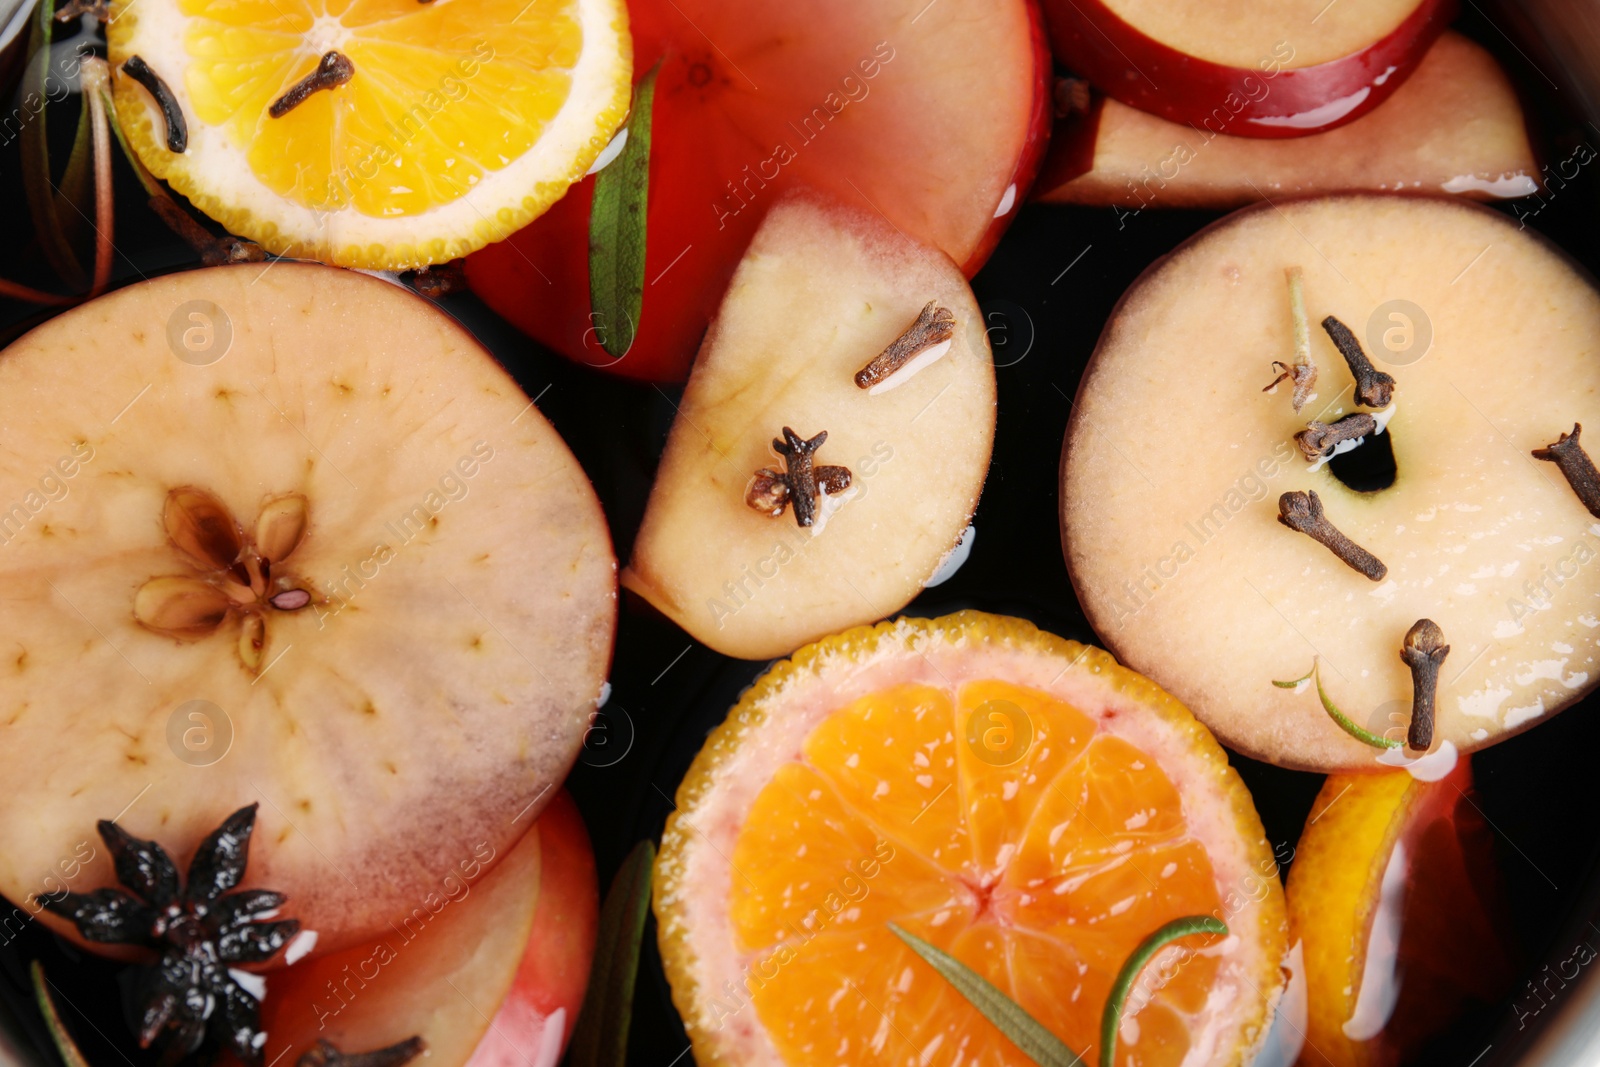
point(535, 1021)
point(1138, 70)
point(1040, 124)
point(538, 279)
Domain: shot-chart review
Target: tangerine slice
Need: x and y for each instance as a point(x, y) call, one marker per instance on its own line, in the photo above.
point(1397, 899)
point(1019, 801)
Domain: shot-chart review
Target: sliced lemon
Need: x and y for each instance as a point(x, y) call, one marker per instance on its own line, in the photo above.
point(460, 121)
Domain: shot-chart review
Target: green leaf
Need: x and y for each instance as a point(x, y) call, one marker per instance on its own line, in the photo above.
point(74, 197)
point(36, 183)
point(152, 187)
point(52, 1018)
point(1111, 1018)
point(600, 1037)
point(1020, 1028)
point(617, 220)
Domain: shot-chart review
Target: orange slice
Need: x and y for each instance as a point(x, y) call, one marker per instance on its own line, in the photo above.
point(1396, 899)
point(462, 121)
point(1019, 801)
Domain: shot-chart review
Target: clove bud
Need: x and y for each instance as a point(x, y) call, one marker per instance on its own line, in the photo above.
point(1576, 466)
point(1423, 651)
point(1302, 512)
point(1374, 388)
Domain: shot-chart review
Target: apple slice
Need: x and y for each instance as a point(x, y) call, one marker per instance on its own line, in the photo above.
point(936, 120)
point(822, 291)
point(488, 969)
point(1251, 68)
point(1175, 463)
point(401, 659)
point(1455, 126)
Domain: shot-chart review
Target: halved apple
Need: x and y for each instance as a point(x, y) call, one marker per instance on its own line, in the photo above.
point(934, 119)
point(1176, 461)
point(1455, 126)
point(823, 290)
point(1251, 68)
point(287, 534)
point(488, 970)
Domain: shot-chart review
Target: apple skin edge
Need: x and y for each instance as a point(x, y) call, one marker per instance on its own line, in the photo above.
point(1142, 72)
point(538, 278)
point(535, 1021)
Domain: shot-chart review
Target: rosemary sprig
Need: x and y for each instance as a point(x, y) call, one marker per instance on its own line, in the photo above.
point(1111, 1017)
point(1021, 1029)
point(1365, 736)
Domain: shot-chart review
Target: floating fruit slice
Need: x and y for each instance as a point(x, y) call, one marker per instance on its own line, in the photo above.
point(1396, 899)
point(934, 118)
point(1016, 800)
point(487, 970)
point(1181, 561)
point(822, 291)
point(1253, 68)
point(1455, 126)
point(442, 126)
point(321, 554)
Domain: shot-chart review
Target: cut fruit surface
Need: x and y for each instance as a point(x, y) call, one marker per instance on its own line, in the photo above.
point(936, 120)
point(1253, 68)
point(402, 659)
point(823, 290)
point(1455, 126)
point(1396, 899)
point(459, 124)
point(1017, 800)
point(1182, 564)
point(481, 970)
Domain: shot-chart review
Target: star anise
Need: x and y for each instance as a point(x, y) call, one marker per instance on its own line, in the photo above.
point(201, 930)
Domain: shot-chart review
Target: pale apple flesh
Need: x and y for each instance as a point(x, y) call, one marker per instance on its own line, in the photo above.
point(432, 692)
point(822, 290)
point(1175, 460)
point(473, 970)
point(1253, 68)
point(1455, 126)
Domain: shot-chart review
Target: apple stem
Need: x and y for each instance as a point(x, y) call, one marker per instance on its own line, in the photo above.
point(1423, 651)
point(1319, 439)
point(933, 325)
point(1574, 463)
point(332, 71)
point(1303, 374)
point(1373, 387)
point(177, 130)
point(1302, 512)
